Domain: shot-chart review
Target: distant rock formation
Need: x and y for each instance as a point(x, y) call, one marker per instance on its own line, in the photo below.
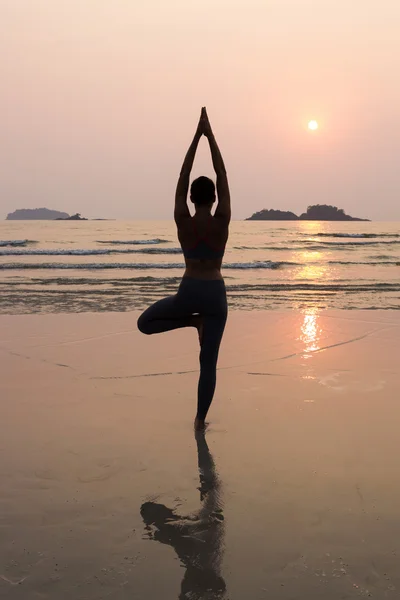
point(326, 212)
point(36, 214)
point(316, 212)
point(75, 217)
point(273, 215)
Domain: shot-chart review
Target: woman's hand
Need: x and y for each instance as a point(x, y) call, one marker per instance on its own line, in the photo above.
point(205, 123)
point(200, 126)
point(204, 127)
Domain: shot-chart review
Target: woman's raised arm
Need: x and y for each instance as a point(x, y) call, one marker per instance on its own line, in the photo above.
point(223, 209)
point(182, 188)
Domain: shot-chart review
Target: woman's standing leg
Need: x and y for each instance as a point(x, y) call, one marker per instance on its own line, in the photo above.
point(213, 329)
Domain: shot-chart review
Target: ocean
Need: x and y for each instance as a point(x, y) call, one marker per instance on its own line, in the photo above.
point(66, 266)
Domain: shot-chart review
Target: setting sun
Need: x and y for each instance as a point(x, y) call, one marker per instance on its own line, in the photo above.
point(313, 125)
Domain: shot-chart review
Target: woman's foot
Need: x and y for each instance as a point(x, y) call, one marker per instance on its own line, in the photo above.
point(199, 424)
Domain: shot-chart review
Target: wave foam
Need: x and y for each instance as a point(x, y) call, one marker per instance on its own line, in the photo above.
point(134, 242)
point(136, 266)
point(357, 235)
point(4, 243)
point(91, 252)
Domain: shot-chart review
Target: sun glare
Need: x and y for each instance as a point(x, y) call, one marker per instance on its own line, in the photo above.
point(312, 125)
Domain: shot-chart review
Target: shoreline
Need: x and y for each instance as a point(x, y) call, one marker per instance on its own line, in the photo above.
point(291, 494)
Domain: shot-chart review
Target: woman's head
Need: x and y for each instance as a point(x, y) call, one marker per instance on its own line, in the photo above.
point(202, 191)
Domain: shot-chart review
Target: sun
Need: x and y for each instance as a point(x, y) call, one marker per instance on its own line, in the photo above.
point(312, 125)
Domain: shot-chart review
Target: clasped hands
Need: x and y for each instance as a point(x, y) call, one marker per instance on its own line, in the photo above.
point(204, 127)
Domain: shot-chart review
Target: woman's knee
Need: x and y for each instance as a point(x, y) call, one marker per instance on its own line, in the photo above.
point(143, 323)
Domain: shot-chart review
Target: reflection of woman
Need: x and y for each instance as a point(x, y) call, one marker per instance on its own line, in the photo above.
point(201, 298)
point(197, 539)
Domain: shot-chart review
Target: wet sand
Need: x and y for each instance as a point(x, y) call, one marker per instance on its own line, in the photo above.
point(293, 493)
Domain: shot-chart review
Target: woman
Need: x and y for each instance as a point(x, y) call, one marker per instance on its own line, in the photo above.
point(201, 298)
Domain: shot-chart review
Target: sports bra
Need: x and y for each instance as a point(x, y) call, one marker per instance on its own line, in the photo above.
point(202, 249)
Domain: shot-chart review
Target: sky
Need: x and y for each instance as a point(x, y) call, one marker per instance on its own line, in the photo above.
point(99, 100)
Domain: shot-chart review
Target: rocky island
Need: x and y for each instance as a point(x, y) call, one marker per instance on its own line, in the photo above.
point(315, 212)
point(44, 214)
point(36, 214)
point(273, 215)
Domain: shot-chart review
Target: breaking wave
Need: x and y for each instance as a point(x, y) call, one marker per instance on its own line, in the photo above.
point(357, 235)
point(269, 264)
point(91, 252)
point(5, 243)
point(133, 242)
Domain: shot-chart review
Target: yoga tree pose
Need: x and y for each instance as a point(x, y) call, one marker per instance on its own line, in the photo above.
point(201, 298)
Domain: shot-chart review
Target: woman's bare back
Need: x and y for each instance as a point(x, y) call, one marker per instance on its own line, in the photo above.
point(203, 239)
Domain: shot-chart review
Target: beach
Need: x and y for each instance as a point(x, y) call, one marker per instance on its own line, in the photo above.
point(293, 493)
point(173, 164)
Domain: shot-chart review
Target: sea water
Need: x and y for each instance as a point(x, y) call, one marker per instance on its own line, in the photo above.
point(66, 266)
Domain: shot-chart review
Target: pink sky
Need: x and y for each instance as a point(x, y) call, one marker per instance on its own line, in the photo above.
point(100, 98)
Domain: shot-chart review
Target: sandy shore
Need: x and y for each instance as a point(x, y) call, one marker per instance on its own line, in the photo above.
point(298, 494)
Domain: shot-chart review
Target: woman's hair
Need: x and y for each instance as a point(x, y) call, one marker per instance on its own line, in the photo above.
point(202, 191)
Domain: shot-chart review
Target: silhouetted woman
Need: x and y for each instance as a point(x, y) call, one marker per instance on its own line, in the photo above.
point(201, 298)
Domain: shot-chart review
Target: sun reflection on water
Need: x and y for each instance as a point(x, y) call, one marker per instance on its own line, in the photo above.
point(311, 332)
point(315, 270)
point(312, 266)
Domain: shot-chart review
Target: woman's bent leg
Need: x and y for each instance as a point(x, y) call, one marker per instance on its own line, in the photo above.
point(164, 315)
